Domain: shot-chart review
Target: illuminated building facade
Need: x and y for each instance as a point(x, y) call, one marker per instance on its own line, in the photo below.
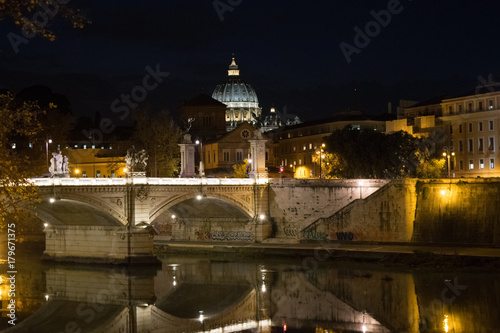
point(220, 155)
point(104, 161)
point(472, 125)
point(240, 98)
point(295, 146)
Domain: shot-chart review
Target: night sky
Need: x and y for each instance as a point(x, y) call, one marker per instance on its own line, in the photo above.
point(287, 50)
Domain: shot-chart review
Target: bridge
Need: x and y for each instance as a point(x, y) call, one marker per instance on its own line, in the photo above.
point(117, 219)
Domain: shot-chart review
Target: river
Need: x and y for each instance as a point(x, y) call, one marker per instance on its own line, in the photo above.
point(224, 294)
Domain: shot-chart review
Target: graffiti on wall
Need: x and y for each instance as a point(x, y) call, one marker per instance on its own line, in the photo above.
point(224, 235)
point(290, 231)
point(315, 235)
point(347, 236)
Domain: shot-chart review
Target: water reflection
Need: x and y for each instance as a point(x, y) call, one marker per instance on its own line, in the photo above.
point(193, 294)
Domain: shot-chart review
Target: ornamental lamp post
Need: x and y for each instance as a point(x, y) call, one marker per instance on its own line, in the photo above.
point(47, 141)
point(448, 152)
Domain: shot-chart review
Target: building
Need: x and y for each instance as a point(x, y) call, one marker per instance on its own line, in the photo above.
point(472, 124)
point(271, 121)
point(102, 161)
point(221, 154)
point(430, 107)
point(239, 97)
point(294, 147)
point(208, 114)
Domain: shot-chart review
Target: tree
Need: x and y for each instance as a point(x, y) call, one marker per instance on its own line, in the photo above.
point(34, 16)
point(371, 154)
point(240, 169)
point(431, 168)
point(332, 166)
point(19, 124)
point(160, 137)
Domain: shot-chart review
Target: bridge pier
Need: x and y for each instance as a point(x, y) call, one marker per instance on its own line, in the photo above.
point(99, 244)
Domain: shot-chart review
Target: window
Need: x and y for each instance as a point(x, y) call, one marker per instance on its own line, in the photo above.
point(452, 165)
point(267, 155)
point(460, 128)
point(471, 164)
point(480, 106)
point(207, 120)
point(460, 109)
point(304, 148)
point(470, 107)
point(491, 143)
point(310, 146)
point(470, 127)
point(471, 146)
point(481, 163)
point(490, 125)
point(84, 174)
point(480, 126)
point(460, 146)
point(450, 109)
point(492, 163)
point(480, 146)
point(215, 161)
point(208, 156)
point(451, 129)
point(294, 148)
point(239, 155)
point(112, 173)
point(300, 161)
point(490, 104)
point(98, 174)
point(461, 164)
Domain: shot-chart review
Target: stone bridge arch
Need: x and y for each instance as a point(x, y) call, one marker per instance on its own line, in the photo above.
point(109, 201)
point(243, 204)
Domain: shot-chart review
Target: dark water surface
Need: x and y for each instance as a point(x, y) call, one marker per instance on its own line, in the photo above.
point(203, 294)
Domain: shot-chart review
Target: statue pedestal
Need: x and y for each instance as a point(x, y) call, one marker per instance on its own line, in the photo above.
point(258, 155)
point(187, 157)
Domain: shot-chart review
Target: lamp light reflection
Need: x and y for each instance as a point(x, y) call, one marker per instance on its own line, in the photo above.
point(201, 317)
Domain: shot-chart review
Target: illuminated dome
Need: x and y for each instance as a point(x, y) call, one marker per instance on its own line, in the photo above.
point(240, 98)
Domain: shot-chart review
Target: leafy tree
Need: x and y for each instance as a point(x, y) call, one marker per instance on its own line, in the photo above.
point(332, 166)
point(431, 168)
point(19, 124)
point(30, 15)
point(240, 169)
point(160, 137)
point(371, 154)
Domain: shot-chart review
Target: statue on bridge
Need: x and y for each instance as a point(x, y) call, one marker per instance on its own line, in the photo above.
point(59, 165)
point(136, 160)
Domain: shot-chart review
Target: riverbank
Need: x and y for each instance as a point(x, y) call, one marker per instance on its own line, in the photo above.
point(416, 256)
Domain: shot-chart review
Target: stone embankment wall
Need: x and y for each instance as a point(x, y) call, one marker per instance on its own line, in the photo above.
point(295, 203)
point(461, 211)
point(464, 211)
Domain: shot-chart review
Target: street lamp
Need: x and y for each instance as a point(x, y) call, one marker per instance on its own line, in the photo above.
point(47, 141)
point(321, 156)
point(448, 152)
point(201, 169)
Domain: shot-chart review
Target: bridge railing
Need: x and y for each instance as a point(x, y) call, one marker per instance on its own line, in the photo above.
point(145, 180)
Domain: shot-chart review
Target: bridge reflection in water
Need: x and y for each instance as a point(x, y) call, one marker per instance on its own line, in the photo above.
point(202, 295)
